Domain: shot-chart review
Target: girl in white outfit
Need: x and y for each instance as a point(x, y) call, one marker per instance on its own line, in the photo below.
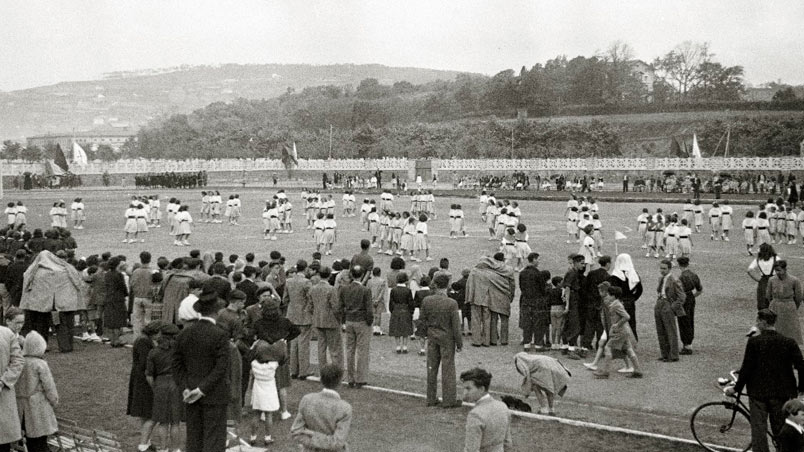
point(264, 395)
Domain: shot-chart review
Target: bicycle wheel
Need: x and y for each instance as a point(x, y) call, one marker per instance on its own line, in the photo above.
point(720, 425)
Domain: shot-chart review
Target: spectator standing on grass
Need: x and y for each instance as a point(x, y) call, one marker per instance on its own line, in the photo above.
point(11, 365)
point(490, 291)
point(364, 260)
point(140, 394)
point(791, 435)
point(532, 304)
point(761, 270)
point(297, 300)
point(669, 305)
point(324, 420)
point(767, 372)
point(36, 395)
point(692, 289)
point(325, 317)
point(200, 368)
point(488, 425)
point(571, 287)
point(115, 316)
point(142, 293)
point(784, 293)
point(442, 321)
point(354, 301)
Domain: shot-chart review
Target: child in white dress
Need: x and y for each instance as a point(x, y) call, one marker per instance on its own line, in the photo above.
point(264, 399)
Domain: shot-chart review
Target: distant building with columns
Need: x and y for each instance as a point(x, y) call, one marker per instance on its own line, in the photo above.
point(89, 140)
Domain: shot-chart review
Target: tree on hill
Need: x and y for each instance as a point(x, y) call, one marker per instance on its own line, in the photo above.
point(31, 154)
point(680, 66)
point(786, 94)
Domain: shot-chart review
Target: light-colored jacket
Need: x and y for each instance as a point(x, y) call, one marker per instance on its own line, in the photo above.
point(36, 390)
point(322, 423)
point(11, 364)
point(488, 427)
point(50, 283)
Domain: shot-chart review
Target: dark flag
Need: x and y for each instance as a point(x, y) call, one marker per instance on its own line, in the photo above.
point(289, 156)
point(675, 149)
point(58, 158)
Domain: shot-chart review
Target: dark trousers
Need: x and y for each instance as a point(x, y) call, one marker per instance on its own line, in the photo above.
point(666, 329)
point(206, 428)
point(760, 411)
point(686, 324)
point(39, 322)
point(625, 186)
point(64, 331)
point(592, 326)
point(5, 447)
point(37, 444)
point(441, 354)
point(535, 323)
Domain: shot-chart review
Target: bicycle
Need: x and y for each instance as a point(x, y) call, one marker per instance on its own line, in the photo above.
point(724, 425)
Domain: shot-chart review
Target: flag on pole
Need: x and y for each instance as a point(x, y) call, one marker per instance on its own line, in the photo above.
point(79, 156)
point(696, 151)
point(295, 155)
point(619, 235)
point(58, 158)
point(675, 149)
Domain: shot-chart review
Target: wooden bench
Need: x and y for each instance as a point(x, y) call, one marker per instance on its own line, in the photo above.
point(72, 438)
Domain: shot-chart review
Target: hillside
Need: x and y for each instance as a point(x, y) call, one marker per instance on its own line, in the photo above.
point(138, 97)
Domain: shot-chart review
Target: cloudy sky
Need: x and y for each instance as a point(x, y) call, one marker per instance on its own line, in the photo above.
point(46, 41)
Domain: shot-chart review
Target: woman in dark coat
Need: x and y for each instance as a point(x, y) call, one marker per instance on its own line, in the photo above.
point(115, 316)
point(140, 394)
point(276, 330)
point(401, 305)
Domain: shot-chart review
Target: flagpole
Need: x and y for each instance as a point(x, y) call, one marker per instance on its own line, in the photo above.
point(330, 141)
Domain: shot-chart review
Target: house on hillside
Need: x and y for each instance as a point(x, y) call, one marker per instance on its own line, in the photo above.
point(759, 94)
point(645, 73)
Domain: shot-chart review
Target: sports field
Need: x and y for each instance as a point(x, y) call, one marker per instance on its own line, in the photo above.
point(661, 402)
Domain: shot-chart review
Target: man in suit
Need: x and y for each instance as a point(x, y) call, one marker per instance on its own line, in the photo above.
point(324, 309)
point(767, 371)
point(441, 318)
point(669, 305)
point(248, 286)
point(354, 301)
point(323, 420)
point(488, 426)
point(201, 371)
point(297, 299)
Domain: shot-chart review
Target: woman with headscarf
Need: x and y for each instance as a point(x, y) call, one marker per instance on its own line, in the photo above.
point(761, 270)
point(544, 376)
point(624, 276)
point(36, 395)
point(140, 394)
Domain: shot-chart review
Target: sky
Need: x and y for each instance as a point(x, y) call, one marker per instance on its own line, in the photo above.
point(46, 41)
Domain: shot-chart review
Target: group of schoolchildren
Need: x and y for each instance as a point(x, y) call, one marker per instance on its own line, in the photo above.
point(422, 202)
point(17, 215)
point(503, 220)
point(277, 216)
point(211, 208)
point(405, 234)
point(584, 226)
point(665, 235)
point(776, 222)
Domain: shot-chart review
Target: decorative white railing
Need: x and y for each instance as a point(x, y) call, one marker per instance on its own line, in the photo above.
point(403, 164)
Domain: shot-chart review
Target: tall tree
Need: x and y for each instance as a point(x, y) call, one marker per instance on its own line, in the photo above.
point(718, 83)
point(680, 66)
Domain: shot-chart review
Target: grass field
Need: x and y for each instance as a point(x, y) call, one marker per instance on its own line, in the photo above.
point(661, 402)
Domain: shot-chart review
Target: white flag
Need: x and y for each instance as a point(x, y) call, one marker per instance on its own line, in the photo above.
point(619, 235)
point(79, 156)
point(696, 151)
point(295, 154)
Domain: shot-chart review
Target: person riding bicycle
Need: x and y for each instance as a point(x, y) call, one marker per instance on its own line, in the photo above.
point(767, 371)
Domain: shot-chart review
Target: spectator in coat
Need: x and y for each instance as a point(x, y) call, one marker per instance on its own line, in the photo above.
point(442, 321)
point(11, 365)
point(490, 291)
point(36, 395)
point(116, 312)
point(325, 313)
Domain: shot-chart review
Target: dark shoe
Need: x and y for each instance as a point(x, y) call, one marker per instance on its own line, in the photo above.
point(634, 375)
point(405, 351)
point(685, 351)
point(664, 360)
point(351, 384)
point(485, 345)
point(294, 376)
point(477, 345)
point(672, 360)
point(503, 344)
point(493, 344)
point(303, 377)
point(452, 405)
point(433, 404)
point(399, 352)
point(422, 353)
point(360, 385)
